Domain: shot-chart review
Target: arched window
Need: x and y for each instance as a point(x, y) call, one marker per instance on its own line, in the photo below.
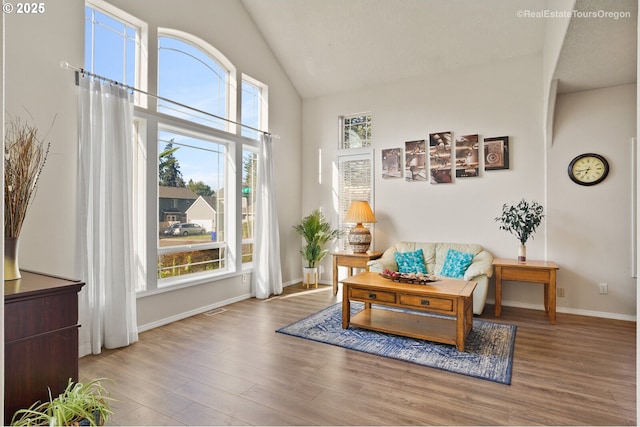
point(193, 73)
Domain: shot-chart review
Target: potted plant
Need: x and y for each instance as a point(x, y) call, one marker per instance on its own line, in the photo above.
point(521, 220)
point(78, 405)
point(316, 232)
point(25, 154)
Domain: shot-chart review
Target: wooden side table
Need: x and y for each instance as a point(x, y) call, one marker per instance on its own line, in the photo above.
point(351, 260)
point(528, 271)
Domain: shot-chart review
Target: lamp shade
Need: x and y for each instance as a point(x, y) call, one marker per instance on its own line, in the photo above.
point(359, 212)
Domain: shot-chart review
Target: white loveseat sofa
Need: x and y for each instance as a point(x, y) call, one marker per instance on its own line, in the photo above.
point(480, 270)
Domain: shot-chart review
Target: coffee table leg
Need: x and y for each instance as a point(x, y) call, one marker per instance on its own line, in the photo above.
point(346, 307)
point(469, 315)
point(460, 323)
point(335, 275)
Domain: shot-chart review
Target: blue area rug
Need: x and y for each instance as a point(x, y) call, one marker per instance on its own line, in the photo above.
point(488, 350)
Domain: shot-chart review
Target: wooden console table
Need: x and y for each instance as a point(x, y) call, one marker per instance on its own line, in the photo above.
point(528, 271)
point(351, 260)
point(41, 338)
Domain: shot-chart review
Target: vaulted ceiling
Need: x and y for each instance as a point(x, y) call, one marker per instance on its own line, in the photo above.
point(599, 52)
point(330, 46)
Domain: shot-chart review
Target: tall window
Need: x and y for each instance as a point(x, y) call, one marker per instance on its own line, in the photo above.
point(191, 182)
point(204, 188)
point(249, 176)
point(192, 175)
point(355, 166)
point(254, 114)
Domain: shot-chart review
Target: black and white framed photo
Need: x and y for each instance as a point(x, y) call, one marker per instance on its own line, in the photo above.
point(496, 153)
point(467, 156)
point(392, 163)
point(440, 157)
point(415, 160)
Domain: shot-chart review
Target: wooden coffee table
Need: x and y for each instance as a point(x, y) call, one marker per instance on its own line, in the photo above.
point(447, 296)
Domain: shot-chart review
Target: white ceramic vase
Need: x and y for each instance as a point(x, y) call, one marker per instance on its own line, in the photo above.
point(522, 253)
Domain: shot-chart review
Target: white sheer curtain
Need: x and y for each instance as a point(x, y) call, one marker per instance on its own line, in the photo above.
point(267, 272)
point(105, 233)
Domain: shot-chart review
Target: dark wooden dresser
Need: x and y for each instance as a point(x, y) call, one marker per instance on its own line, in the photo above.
point(41, 338)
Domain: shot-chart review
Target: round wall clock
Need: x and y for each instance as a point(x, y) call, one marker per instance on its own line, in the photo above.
point(588, 169)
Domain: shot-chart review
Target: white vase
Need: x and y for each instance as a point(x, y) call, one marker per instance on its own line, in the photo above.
point(522, 253)
point(11, 267)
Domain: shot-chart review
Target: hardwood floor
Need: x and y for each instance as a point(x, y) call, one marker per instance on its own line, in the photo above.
point(232, 368)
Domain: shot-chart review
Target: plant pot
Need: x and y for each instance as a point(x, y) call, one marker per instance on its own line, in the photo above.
point(522, 253)
point(11, 267)
point(310, 276)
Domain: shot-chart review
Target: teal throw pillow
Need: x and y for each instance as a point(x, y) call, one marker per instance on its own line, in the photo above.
point(410, 262)
point(456, 263)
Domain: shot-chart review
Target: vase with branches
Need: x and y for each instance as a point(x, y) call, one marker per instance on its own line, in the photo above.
point(522, 220)
point(25, 154)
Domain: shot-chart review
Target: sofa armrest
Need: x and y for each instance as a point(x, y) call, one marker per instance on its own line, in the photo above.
point(380, 264)
point(482, 264)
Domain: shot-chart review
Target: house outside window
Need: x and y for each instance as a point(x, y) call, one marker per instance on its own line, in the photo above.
point(182, 248)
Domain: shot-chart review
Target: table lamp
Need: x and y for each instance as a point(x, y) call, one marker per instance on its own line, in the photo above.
point(359, 236)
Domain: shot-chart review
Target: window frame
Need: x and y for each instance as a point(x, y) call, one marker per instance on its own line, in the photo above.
point(366, 142)
point(147, 121)
point(263, 104)
point(141, 60)
point(224, 245)
point(364, 152)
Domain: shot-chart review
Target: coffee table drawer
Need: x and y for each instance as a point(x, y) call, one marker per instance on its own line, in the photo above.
point(427, 302)
point(372, 296)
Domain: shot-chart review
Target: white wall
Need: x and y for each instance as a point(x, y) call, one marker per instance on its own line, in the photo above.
point(35, 45)
point(491, 100)
point(590, 227)
point(505, 98)
point(36, 85)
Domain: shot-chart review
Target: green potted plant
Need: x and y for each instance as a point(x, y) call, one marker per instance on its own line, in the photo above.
point(79, 404)
point(521, 220)
point(316, 232)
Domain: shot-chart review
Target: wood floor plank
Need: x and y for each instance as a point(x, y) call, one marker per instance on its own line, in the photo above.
point(234, 369)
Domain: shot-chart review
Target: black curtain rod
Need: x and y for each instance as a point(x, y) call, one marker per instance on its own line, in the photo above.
point(84, 72)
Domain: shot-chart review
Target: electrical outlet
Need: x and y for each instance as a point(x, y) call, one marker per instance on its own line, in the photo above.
point(244, 278)
point(604, 288)
point(560, 292)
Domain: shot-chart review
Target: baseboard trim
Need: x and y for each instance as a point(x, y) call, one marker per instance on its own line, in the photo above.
point(567, 310)
point(199, 310)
